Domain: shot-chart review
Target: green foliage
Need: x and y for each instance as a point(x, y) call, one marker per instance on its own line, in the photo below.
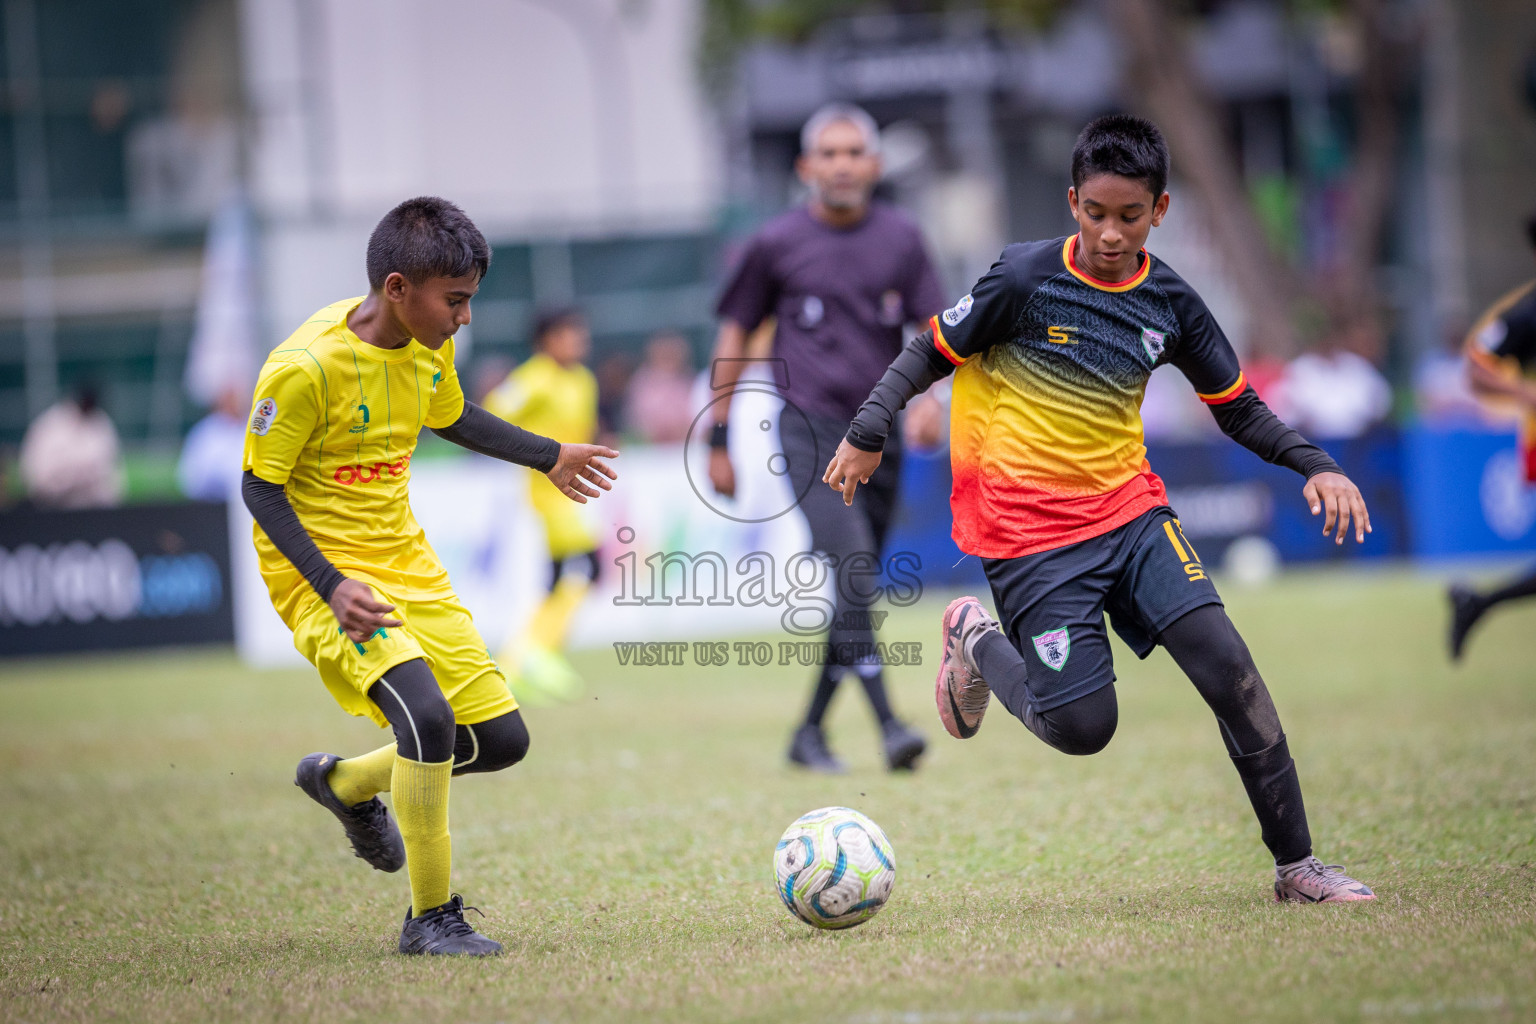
point(160, 865)
point(730, 25)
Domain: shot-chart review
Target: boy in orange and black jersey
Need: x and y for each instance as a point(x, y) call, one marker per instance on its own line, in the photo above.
point(1051, 352)
point(1501, 365)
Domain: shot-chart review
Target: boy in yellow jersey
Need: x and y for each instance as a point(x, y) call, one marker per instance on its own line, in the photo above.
point(553, 394)
point(338, 409)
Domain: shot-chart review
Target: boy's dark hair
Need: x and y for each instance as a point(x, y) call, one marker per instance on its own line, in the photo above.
point(423, 238)
point(547, 321)
point(1125, 146)
point(1530, 229)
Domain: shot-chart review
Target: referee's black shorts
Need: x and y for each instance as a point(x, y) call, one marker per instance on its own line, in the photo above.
point(1051, 604)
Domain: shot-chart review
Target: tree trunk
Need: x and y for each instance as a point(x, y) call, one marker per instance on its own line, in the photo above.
point(1162, 76)
point(1355, 310)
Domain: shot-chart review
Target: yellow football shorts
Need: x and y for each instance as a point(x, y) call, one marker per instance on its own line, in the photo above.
point(441, 630)
point(567, 526)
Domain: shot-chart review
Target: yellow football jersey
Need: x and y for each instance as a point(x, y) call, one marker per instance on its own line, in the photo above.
point(336, 421)
point(550, 399)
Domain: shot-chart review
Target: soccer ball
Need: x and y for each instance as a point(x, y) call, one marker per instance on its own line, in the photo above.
point(834, 867)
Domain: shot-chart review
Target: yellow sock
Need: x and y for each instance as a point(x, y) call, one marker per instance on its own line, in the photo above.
point(421, 808)
point(355, 779)
point(553, 619)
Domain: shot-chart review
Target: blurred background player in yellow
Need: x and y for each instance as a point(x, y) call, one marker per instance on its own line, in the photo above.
point(553, 394)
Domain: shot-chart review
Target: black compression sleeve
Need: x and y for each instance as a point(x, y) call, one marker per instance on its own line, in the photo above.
point(914, 371)
point(488, 434)
point(1249, 422)
point(270, 508)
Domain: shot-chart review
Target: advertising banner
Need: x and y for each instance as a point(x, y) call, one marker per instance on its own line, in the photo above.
point(140, 576)
point(1468, 493)
point(1221, 491)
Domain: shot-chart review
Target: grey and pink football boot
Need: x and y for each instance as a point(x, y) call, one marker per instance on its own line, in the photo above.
point(960, 692)
point(1309, 880)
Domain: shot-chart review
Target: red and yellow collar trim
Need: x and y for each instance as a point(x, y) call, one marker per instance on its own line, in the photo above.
point(1069, 257)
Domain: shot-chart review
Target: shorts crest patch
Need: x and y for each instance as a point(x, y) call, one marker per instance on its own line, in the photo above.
point(1153, 342)
point(261, 419)
point(953, 316)
point(1053, 646)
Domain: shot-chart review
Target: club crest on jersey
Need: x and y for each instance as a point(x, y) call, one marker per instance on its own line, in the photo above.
point(1154, 342)
point(437, 377)
point(1053, 646)
point(261, 419)
point(958, 312)
point(359, 419)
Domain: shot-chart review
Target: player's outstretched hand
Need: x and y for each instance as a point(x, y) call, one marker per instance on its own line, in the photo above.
point(1336, 496)
point(359, 614)
point(849, 467)
point(581, 471)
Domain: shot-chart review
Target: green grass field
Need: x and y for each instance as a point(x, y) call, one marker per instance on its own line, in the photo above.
point(158, 864)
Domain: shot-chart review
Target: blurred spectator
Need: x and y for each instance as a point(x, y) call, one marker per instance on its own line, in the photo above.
point(1443, 393)
point(209, 467)
point(1333, 393)
point(1171, 412)
point(488, 372)
point(659, 408)
point(70, 456)
point(8, 478)
point(925, 421)
point(1264, 374)
point(612, 373)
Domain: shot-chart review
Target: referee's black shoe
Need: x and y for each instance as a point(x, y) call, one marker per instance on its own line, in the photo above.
point(903, 745)
point(373, 833)
point(808, 749)
point(442, 931)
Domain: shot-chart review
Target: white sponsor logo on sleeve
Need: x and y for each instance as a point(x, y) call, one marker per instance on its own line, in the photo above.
point(953, 316)
point(261, 419)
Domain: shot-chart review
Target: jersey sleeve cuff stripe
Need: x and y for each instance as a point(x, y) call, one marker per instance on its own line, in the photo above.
point(942, 345)
point(1226, 395)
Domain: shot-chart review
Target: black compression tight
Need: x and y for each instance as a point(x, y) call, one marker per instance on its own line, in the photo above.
point(1522, 586)
point(425, 730)
point(1082, 726)
point(1208, 648)
point(490, 746)
point(1205, 645)
point(591, 568)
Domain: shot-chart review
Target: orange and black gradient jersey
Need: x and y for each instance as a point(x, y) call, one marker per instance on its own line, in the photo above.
point(1050, 364)
point(1504, 340)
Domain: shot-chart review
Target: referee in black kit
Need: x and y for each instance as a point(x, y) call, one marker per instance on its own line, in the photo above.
point(841, 274)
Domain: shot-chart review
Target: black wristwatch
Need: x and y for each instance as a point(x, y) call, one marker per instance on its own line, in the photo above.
point(719, 436)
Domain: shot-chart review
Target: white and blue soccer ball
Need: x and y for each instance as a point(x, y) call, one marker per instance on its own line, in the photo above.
point(835, 868)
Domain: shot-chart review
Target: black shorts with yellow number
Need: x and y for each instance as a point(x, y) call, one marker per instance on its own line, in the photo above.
point(1051, 604)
